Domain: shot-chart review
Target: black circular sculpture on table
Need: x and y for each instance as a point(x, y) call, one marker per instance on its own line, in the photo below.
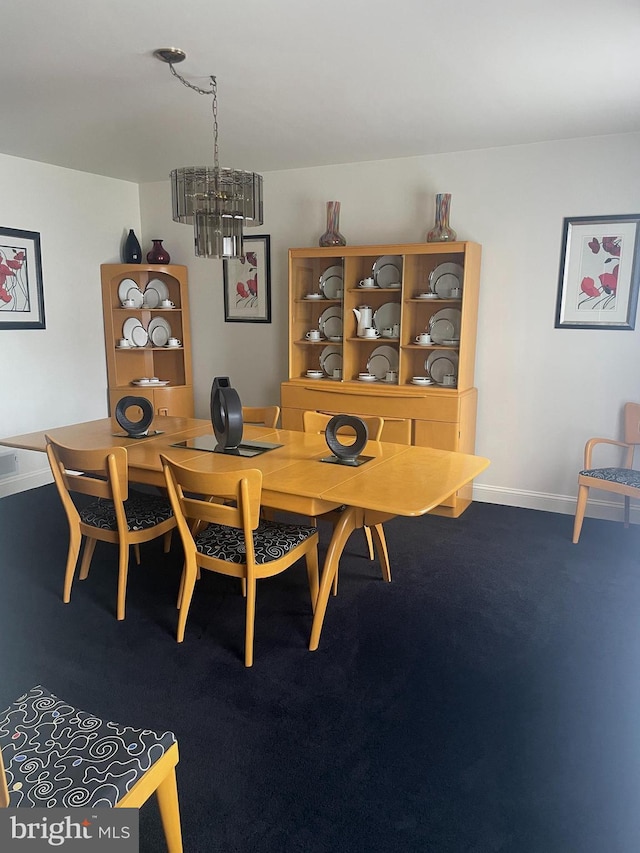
point(226, 414)
point(347, 453)
point(134, 429)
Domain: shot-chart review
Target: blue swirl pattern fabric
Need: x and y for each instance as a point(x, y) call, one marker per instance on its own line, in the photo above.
point(271, 540)
point(58, 756)
point(142, 511)
point(624, 476)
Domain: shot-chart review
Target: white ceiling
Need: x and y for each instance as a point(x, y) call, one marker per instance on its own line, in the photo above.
point(304, 83)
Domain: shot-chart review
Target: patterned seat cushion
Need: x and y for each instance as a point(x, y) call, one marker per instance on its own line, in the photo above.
point(624, 476)
point(142, 511)
point(56, 755)
point(271, 540)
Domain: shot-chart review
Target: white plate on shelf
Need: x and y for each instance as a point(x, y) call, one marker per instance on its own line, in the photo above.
point(421, 381)
point(386, 316)
point(313, 297)
point(136, 295)
point(331, 282)
point(129, 325)
point(427, 296)
point(159, 286)
point(387, 270)
point(330, 358)
point(151, 297)
point(330, 322)
point(335, 339)
point(382, 360)
point(159, 323)
point(444, 278)
point(438, 365)
point(124, 287)
point(139, 336)
point(150, 383)
point(370, 378)
point(314, 374)
point(444, 325)
point(159, 336)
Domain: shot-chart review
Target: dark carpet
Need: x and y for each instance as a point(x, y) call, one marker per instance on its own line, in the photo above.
point(486, 700)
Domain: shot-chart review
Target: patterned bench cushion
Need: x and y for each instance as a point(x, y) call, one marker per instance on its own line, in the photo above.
point(271, 540)
point(624, 476)
point(56, 755)
point(142, 511)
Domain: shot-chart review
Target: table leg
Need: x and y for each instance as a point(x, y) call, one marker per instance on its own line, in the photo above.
point(350, 518)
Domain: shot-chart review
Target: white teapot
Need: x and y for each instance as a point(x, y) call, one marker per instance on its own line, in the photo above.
point(364, 316)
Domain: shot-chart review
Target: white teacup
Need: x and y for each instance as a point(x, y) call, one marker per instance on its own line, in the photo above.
point(366, 282)
point(456, 293)
point(128, 303)
point(313, 335)
point(167, 303)
point(387, 333)
point(337, 373)
point(424, 339)
point(391, 376)
point(173, 342)
point(449, 379)
point(123, 343)
point(370, 332)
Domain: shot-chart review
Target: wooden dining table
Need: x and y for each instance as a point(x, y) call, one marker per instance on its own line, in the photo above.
point(396, 479)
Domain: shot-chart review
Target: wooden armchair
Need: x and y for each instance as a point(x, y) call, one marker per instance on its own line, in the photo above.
point(624, 480)
point(72, 757)
point(261, 415)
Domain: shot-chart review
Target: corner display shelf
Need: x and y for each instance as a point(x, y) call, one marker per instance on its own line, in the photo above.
point(434, 415)
point(172, 365)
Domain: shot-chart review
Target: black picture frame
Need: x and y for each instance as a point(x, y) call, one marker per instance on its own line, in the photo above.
point(599, 272)
point(21, 290)
point(247, 283)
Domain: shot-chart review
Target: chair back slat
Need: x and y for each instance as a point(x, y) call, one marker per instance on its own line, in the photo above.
point(632, 423)
point(99, 472)
point(261, 415)
point(316, 422)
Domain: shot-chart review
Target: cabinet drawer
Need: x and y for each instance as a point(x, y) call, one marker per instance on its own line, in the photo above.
point(393, 403)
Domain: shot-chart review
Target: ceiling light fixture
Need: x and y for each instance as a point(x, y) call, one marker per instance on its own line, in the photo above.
point(217, 202)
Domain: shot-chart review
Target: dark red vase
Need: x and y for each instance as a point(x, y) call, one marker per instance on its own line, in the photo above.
point(158, 254)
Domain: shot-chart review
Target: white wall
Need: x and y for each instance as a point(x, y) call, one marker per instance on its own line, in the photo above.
point(57, 375)
point(542, 391)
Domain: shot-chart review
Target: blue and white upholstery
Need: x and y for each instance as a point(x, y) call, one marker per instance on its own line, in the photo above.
point(624, 476)
point(56, 755)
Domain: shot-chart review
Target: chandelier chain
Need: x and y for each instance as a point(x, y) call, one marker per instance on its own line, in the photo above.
point(213, 91)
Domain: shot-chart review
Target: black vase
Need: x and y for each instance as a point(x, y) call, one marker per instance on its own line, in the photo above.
point(132, 253)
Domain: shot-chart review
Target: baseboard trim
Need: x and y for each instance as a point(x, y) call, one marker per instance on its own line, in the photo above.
point(597, 507)
point(24, 482)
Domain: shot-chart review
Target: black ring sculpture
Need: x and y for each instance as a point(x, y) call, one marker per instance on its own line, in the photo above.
point(226, 414)
point(134, 428)
point(346, 452)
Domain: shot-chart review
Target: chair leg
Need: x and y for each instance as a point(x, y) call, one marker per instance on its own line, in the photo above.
point(581, 505)
point(627, 506)
point(167, 541)
point(243, 587)
point(123, 570)
point(250, 622)
point(187, 585)
point(75, 538)
point(381, 547)
point(311, 559)
point(367, 534)
point(87, 556)
point(136, 551)
point(167, 794)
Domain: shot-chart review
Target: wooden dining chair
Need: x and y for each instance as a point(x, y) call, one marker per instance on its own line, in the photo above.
point(231, 537)
point(623, 480)
point(316, 422)
point(261, 415)
point(118, 515)
point(54, 755)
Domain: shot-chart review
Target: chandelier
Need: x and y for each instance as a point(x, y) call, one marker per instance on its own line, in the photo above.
point(217, 202)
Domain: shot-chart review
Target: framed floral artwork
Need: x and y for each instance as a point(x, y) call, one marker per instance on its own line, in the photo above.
point(21, 294)
point(599, 273)
point(247, 283)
